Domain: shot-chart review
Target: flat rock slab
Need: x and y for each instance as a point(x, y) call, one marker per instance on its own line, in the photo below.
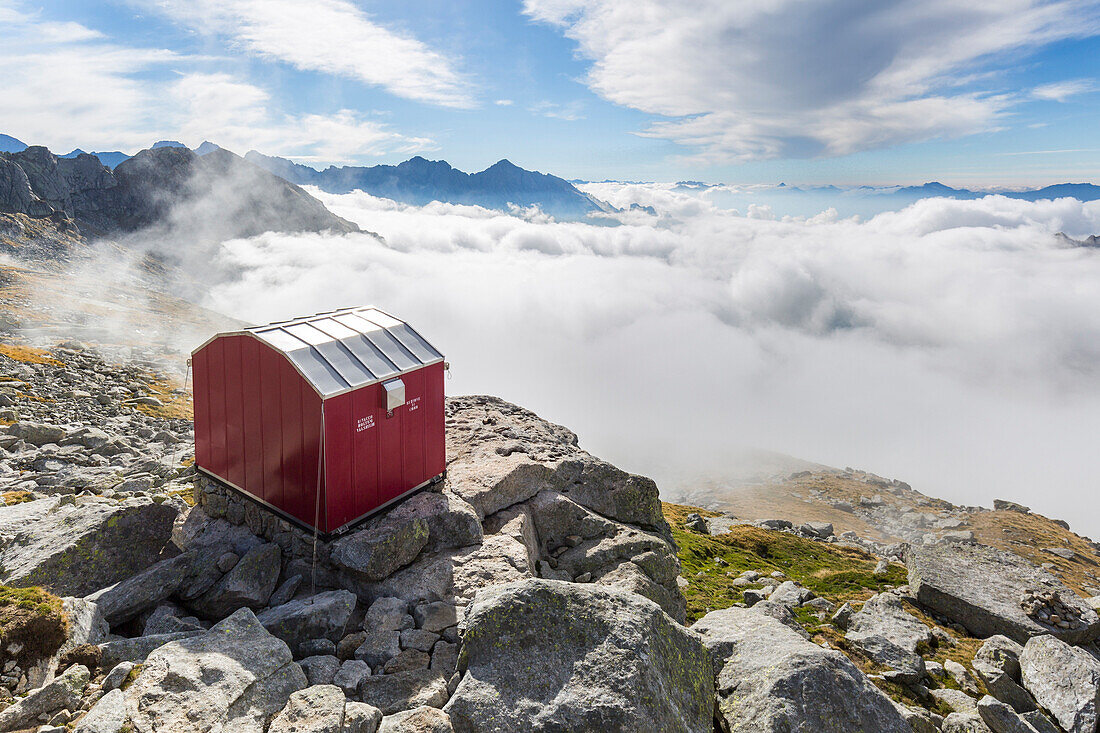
point(392, 693)
point(981, 588)
point(500, 454)
point(545, 655)
point(1065, 680)
point(323, 616)
point(771, 680)
point(137, 648)
point(126, 599)
point(63, 692)
point(317, 709)
point(235, 677)
point(456, 575)
point(722, 524)
point(76, 550)
point(885, 615)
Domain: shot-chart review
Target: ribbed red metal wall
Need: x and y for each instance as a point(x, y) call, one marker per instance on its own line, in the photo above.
point(372, 459)
point(258, 428)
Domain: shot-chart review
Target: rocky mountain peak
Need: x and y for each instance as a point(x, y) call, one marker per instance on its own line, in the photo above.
point(169, 188)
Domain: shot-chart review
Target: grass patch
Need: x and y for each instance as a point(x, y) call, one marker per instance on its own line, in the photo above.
point(27, 354)
point(131, 677)
point(16, 497)
point(33, 618)
point(835, 572)
point(188, 495)
point(175, 405)
point(710, 564)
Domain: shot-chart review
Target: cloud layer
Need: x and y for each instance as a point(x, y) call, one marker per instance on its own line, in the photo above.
point(954, 344)
point(748, 80)
point(329, 36)
point(79, 88)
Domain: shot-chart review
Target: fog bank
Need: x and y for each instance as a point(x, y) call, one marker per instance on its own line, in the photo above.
point(952, 344)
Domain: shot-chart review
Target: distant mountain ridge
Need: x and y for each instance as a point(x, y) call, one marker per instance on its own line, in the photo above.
point(9, 144)
point(420, 181)
point(1079, 191)
point(111, 158)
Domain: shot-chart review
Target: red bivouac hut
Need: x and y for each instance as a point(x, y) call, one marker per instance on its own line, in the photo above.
point(324, 419)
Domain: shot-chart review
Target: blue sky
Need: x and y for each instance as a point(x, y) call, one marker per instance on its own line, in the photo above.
point(993, 92)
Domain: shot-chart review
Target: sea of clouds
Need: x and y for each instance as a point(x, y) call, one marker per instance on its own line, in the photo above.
point(952, 344)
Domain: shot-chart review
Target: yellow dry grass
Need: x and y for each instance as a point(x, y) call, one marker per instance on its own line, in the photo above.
point(176, 405)
point(27, 354)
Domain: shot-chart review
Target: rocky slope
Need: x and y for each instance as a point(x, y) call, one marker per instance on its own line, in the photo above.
point(538, 588)
point(888, 511)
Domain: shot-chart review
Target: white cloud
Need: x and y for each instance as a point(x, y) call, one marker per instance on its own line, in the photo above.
point(85, 96)
point(329, 36)
point(11, 14)
point(67, 32)
point(80, 89)
point(953, 344)
point(236, 115)
point(1063, 90)
point(74, 89)
point(503, 102)
point(787, 78)
point(570, 112)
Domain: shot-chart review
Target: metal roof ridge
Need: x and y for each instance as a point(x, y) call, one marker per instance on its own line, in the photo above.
point(399, 340)
point(317, 316)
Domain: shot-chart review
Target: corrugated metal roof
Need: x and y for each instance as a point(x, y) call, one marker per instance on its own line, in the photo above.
point(341, 350)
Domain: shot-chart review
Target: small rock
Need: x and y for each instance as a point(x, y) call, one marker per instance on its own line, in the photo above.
point(791, 594)
point(379, 647)
point(421, 639)
point(108, 715)
point(961, 676)
point(842, 616)
point(361, 718)
point(820, 530)
point(696, 523)
point(117, 676)
point(346, 647)
point(285, 592)
point(387, 614)
point(350, 675)
point(1000, 717)
point(435, 616)
point(227, 561)
point(320, 669)
point(314, 647)
point(316, 709)
point(407, 661)
point(423, 719)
